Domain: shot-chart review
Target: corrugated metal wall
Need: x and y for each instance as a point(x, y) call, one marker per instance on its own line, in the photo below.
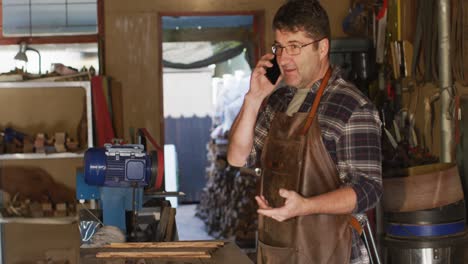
point(190, 136)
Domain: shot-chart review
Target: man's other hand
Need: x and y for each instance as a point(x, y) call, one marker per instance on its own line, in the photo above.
point(293, 206)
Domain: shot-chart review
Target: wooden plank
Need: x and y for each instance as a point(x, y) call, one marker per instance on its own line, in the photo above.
point(162, 225)
point(117, 108)
point(170, 254)
point(170, 225)
point(104, 129)
point(230, 253)
point(179, 244)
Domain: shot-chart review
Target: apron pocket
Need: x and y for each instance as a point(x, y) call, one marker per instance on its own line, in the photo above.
point(276, 255)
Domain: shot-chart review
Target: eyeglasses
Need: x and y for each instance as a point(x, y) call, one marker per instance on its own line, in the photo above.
point(291, 49)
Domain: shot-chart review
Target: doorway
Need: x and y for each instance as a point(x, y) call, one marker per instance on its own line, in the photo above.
point(204, 55)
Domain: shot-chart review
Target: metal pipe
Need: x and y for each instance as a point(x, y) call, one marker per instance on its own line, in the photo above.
point(374, 246)
point(39, 56)
point(445, 81)
point(366, 243)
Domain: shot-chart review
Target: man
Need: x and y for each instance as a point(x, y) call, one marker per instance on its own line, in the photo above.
point(317, 141)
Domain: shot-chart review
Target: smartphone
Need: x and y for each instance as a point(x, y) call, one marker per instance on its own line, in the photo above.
point(274, 72)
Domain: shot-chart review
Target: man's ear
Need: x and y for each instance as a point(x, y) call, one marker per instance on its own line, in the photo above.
point(324, 47)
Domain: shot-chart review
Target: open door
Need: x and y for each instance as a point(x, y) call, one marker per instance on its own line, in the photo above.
point(199, 50)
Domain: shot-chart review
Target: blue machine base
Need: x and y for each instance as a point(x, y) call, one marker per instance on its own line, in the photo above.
point(114, 201)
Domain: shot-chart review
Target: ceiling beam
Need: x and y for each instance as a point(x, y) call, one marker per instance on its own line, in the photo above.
point(207, 34)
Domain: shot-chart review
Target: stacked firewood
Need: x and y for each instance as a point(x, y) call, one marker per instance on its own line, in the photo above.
point(227, 204)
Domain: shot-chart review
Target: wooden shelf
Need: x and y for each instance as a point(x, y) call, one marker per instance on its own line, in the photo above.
point(25, 156)
point(40, 220)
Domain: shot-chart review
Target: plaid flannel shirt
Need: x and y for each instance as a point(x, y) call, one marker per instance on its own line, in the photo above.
point(351, 132)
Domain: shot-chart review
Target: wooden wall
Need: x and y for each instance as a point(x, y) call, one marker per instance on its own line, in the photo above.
point(132, 54)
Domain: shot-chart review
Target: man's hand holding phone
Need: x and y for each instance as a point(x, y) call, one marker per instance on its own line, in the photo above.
point(262, 80)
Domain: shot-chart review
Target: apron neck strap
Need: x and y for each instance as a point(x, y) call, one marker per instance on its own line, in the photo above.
point(313, 110)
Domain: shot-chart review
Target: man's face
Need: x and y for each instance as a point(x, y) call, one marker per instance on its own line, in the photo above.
point(304, 69)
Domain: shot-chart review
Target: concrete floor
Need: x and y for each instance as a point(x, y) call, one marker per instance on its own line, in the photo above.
point(190, 227)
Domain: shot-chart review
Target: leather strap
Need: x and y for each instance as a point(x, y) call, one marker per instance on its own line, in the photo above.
point(313, 110)
point(355, 224)
point(160, 151)
point(457, 121)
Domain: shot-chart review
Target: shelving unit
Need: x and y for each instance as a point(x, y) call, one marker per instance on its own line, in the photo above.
point(49, 107)
point(45, 85)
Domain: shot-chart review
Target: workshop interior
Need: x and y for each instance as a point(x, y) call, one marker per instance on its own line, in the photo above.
point(115, 117)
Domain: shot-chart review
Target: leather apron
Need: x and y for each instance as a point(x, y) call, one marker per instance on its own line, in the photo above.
point(295, 158)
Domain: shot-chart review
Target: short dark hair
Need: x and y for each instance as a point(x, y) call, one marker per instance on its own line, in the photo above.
point(307, 15)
